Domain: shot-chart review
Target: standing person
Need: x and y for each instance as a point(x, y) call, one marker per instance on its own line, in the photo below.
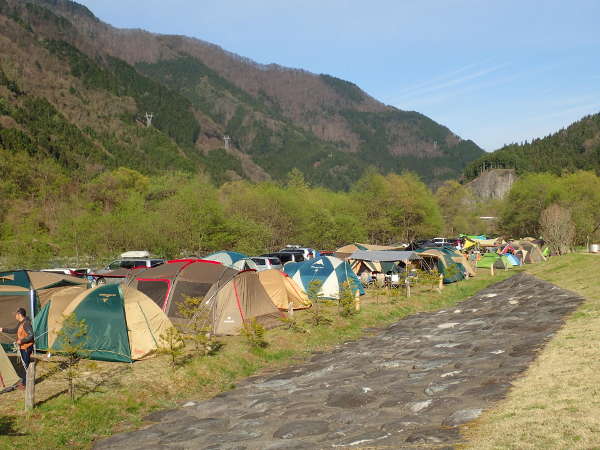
point(24, 332)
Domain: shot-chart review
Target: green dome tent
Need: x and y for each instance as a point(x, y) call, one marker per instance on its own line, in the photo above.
point(494, 259)
point(123, 324)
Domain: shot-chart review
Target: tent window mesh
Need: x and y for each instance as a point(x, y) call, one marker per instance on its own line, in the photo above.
point(156, 290)
point(185, 289)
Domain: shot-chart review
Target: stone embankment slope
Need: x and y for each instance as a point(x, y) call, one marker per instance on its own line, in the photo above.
point(408, 387)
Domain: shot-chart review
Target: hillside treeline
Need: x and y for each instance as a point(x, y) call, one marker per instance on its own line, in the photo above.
point(576, 147)
point(47, 214)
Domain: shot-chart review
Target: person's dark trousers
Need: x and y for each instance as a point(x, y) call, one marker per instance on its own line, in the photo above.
point(26, 357)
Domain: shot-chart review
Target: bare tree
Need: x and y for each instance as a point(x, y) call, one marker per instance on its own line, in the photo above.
point(557, 228)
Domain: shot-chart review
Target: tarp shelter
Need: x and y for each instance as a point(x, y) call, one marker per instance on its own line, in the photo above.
point(494, 259)
point(329, 271)
point(347, 250)
point(170, 283)
point(234, 260)
point(123, 324)
point(226, 307)
point(8, 375)
point(283, 291)
point(383, 261)
point(451, 270)
point(30, 290)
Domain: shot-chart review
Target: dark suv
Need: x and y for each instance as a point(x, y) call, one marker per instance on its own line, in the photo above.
point(286, 257)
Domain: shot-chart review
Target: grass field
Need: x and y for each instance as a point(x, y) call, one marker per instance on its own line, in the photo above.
point(115, 397)
point(556, 404)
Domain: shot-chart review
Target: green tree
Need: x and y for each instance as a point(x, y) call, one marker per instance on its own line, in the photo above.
point(72, 340)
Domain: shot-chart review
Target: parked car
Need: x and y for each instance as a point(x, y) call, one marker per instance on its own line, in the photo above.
point(306, 252)
point(286, 257)
point(442, 242)
point(74, 272)
point(266, 262)
point(114, 273)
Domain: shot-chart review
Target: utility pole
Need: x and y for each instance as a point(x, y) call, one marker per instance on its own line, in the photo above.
point(149, 117)
point(227, 141)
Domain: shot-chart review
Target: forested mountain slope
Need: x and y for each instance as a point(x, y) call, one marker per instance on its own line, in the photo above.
point(576, 147)
point(76, 90)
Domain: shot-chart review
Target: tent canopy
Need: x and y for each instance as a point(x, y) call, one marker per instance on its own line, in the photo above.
point(235, 260)
point(329, 271)
point(283, 291)
point(451, 270)
point(169, 284)
point(30, 290)
point(226, 307)
point(345, 251)
point(8, 375)
point(385, 255)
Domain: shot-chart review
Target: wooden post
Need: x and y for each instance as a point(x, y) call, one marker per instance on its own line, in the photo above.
point(407, 283)
point(492, 269)
point(290, 310)
point(30, 387)
point(441, 285)
point(357, 301)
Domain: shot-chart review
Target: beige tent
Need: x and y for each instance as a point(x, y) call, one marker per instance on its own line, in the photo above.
point(57, 304)
point(8, 376)
point(30, 290)
point(283, 291)
point(226, 307)
point(528, 251)
point(490, 242)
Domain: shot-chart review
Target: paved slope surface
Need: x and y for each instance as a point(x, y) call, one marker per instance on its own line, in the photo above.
point(409, 387)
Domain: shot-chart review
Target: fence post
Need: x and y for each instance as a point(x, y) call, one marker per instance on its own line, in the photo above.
point(407, 283)
point(30, 387)
point(441, 285)
point(357, 301)
point(492, 269)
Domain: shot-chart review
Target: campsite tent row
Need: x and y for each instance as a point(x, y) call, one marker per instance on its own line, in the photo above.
point(450, 263)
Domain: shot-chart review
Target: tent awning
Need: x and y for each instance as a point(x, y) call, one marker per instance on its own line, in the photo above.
point(384, 255)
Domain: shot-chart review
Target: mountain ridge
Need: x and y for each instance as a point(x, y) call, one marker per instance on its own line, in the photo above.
point(278, 118)
point(576, 147)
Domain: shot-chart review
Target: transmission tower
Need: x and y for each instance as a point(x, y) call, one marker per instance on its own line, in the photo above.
point(149, 117)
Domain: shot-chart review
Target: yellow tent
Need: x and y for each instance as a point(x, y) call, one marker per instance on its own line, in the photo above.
point(283, 290)
point(8, 376)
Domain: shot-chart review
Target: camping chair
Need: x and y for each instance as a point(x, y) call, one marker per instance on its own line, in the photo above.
point(394, 280)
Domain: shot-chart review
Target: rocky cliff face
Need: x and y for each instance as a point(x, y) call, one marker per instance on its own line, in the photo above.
point(493, 184)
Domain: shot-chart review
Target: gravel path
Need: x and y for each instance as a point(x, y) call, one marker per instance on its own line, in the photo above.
point(408, 387)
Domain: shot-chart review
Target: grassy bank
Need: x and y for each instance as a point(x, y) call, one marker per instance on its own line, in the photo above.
point(115, 397)
point(556, 404)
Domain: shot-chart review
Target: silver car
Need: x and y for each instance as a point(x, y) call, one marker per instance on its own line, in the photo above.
point(267, 262)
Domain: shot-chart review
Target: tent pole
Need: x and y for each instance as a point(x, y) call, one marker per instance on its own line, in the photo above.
point(32, 305)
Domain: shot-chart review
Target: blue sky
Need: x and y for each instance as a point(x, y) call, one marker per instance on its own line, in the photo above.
point(492, 71)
